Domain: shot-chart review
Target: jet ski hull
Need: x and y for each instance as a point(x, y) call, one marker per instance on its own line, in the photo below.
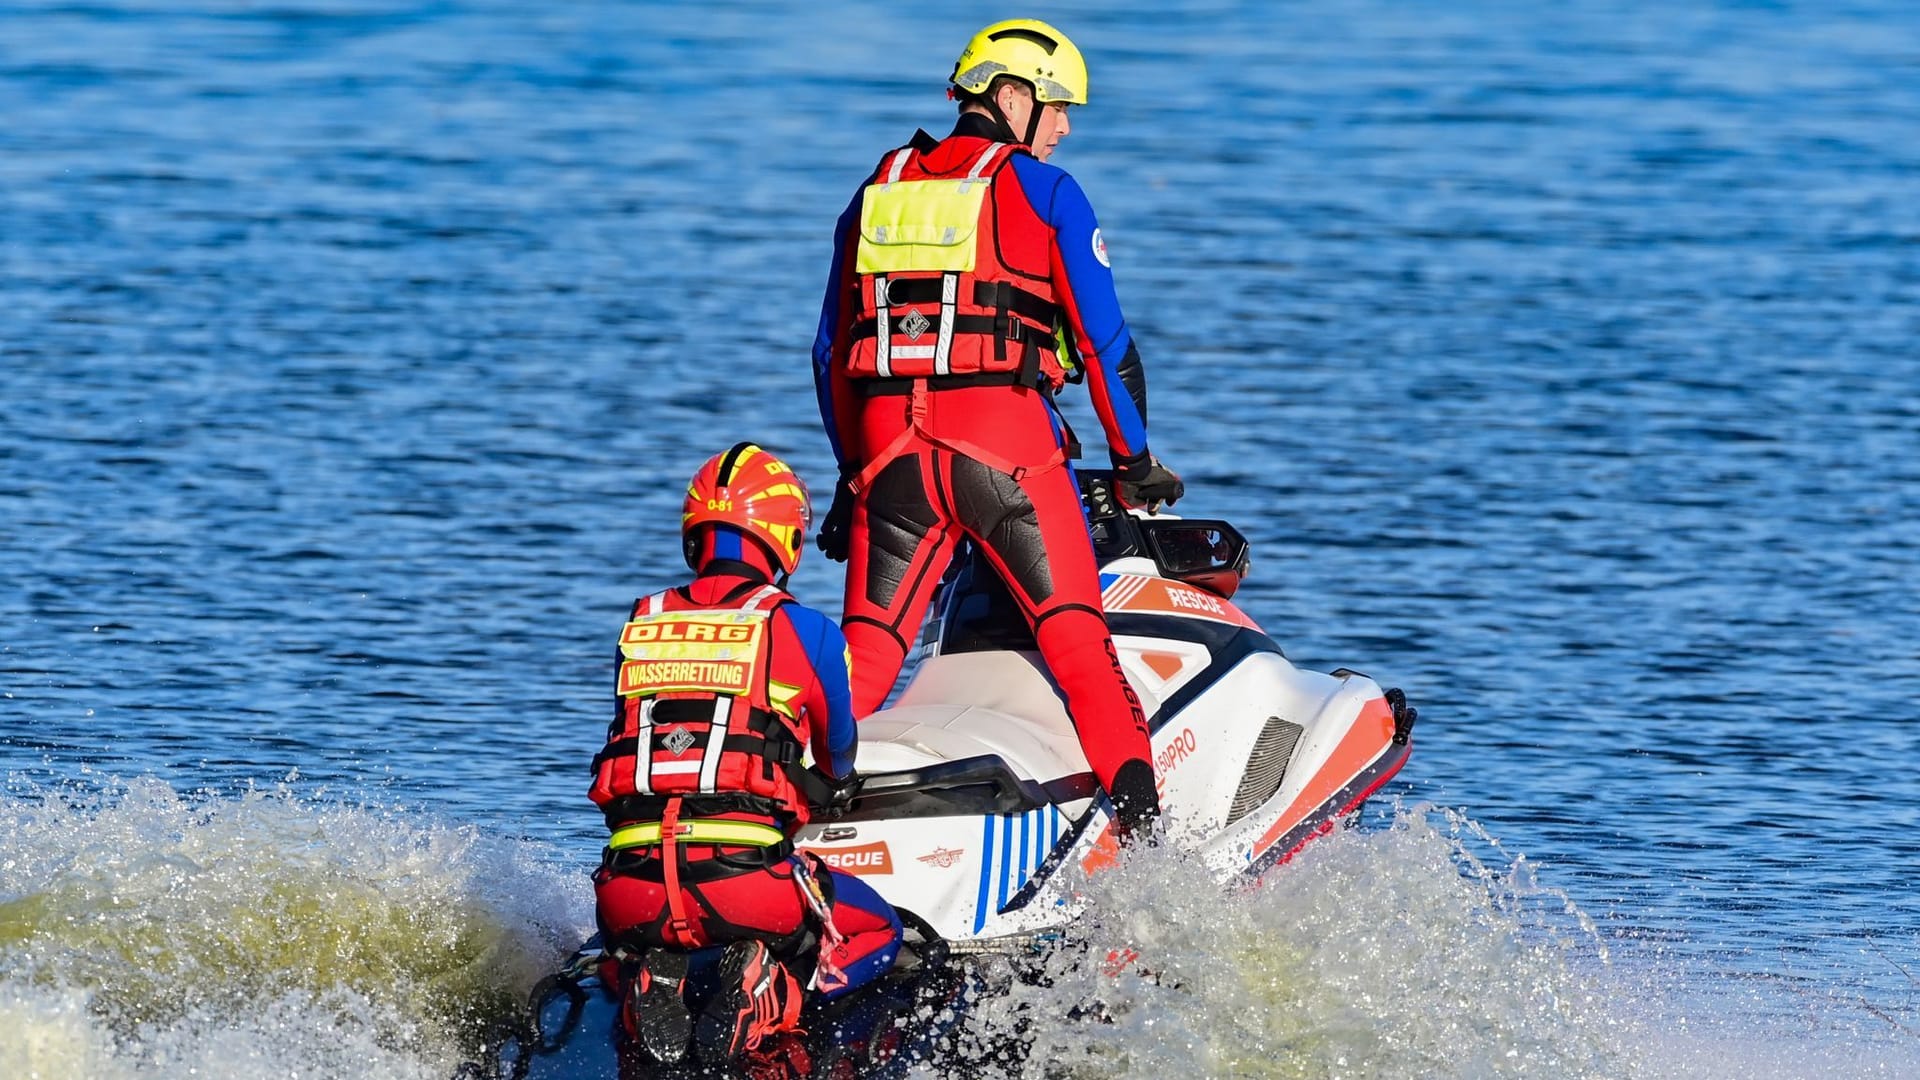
point(978, 794)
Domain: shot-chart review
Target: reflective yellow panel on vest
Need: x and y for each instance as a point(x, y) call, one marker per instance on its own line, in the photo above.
point(716, 652)
point(919, 225)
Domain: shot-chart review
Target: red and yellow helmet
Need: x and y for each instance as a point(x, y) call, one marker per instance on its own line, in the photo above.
point(756, 493)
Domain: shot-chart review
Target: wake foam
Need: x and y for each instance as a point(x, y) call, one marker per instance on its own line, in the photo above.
point(1421, 948)
point(144, 933)
point(1398, 952)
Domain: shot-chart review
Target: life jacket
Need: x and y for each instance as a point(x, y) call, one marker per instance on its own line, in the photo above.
point(695, 721)
point(953, 272)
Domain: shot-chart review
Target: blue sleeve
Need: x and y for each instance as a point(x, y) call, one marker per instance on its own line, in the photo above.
point(827, 653)
point(830, 328)
point(1084, 282)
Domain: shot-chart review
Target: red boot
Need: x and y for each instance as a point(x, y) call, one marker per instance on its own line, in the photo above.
point(758, 999)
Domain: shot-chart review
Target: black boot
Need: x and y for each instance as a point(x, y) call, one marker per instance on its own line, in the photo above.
point(655, 1011)
point(1136, 802)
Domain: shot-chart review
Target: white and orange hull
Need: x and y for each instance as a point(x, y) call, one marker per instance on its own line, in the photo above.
point(978, 792)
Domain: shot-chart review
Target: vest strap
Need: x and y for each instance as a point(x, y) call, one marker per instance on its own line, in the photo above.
point(899, 164)
point(716, 741)
point(697, 831)
point(883, 348)
point(901, 292)
point(626, 810)
point(1027, 305)
point(645, 863)
point(642, 768)
point(949, 324)
point(1002, 327)
point(778, 748)
point(679, 929)
point(916, 428)
point(898, 386)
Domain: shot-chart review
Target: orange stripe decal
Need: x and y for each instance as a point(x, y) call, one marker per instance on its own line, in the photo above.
point(1158, 596)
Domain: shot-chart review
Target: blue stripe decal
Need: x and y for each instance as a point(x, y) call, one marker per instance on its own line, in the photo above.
point(986, 871)
point(1026, 850)
point(1039, 841)
point(1007, 856)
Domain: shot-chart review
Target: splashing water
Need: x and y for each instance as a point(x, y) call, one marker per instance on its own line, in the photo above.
point(1388, 953)
point(1420, 949)
point(143, 933)
point(147, 934)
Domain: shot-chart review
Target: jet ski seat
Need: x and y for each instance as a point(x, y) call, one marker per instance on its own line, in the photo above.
point(989, 723)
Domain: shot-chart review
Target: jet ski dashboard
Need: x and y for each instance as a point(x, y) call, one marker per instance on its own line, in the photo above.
point(1204, 552)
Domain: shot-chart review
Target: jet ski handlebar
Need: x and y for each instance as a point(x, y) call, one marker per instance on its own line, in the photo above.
point(1204, 552)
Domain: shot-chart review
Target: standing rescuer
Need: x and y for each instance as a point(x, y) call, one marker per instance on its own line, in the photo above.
point(723, 683)
point(969, 280)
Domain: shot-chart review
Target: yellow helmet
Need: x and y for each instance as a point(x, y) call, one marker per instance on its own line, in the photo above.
point(1029, 50)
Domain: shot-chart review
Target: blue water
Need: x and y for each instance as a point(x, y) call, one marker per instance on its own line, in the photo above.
point(1559, 361)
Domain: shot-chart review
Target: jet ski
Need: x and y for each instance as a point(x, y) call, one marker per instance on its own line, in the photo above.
point(976, 795)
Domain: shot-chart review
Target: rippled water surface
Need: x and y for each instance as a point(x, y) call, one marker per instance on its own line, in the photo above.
point(1559, 360)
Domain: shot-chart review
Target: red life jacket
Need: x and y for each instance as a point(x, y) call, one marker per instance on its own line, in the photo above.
point(694, 716)
point(996, 322)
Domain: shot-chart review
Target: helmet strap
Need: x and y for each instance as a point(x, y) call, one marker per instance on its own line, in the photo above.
point(992, 102)
point(1000, 120)
point(1033, 122)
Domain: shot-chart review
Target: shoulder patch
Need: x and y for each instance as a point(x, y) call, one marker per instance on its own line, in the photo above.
point(1100, 249)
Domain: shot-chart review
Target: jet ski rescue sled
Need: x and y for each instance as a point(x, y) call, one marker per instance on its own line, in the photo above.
point(976, 793)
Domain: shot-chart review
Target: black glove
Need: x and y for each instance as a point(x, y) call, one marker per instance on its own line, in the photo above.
point(1143, 481)
point(845, 789)
point(839, 792)
point(832, 538)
